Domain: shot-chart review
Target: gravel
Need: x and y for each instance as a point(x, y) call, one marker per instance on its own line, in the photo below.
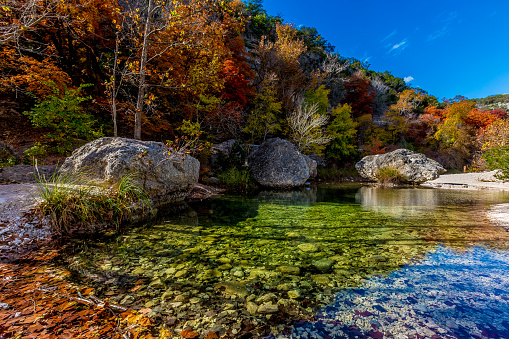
point(19, 231)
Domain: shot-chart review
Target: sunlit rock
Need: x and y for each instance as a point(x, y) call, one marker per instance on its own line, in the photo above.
point(166, 178)
point(415, 167)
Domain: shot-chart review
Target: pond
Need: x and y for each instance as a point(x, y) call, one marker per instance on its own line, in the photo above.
point(319, 262)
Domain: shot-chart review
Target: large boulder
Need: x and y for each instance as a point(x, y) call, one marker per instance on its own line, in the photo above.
point(278, 163)
point(166, 178)
point(415, 167)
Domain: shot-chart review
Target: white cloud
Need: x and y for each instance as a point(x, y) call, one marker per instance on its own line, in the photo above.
point(408, 79)
point(439, 33)
point(389, 36)
point(400, 45)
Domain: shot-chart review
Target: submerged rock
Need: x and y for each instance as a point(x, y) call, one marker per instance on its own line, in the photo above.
point(292, 270)
point(278, 163)
point(415, 167)
point(165, 177)
point(232, 288)
point(323, 265)
point(307, 248)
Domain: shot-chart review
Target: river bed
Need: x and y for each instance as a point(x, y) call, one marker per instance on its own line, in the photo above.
point(293, 263)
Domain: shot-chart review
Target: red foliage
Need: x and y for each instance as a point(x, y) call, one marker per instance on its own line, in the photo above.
point(359, 95)
point(500, 113)
point(236, 87)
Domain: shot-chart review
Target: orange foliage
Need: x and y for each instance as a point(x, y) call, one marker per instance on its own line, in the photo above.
point(278, 63)
point(480, 119)
point(21, 72)
point(376, 146)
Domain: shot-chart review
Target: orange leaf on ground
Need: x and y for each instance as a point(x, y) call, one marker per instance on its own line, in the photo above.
point(188, 334)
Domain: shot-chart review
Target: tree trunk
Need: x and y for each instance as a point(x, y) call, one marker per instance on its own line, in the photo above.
point(114, 88)
point(142, 81)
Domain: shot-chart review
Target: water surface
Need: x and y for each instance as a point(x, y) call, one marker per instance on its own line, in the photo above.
point(240, 265)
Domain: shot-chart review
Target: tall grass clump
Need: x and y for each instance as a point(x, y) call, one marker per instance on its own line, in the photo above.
point(237, 179)
point(390, 175)
point(72, 201)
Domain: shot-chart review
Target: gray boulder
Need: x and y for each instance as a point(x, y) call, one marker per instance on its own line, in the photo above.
point(278, 163)
point(166, 178)
point(415, 167)
point(313, 171)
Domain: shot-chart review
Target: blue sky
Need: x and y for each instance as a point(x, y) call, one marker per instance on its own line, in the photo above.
point(444, 47)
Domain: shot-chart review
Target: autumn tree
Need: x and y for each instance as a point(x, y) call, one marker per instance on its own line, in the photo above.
point(280, 59)
point(335, 77)
point(359, 95)
point(494, 141)
point(452, 128)
point(410, 103)
point(20, 16)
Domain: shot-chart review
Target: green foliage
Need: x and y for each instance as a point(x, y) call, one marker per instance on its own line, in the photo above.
point(390, 175)
point(237, 179)
point(71, 201)
point(342, 133)
point(63, 115)
point(37, 151)
point(318, 97)
point(264, 118)
point(314, 41)
point(189, 140)
point(498, 158)
point(261, 23)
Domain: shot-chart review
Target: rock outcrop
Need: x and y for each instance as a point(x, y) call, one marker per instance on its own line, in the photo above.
point(415, 167)
point(165, 177)
point(278, 163)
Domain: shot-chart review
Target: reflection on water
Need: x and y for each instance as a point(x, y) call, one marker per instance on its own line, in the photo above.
point(399, 203)
point(447, 295)
point(237, 263)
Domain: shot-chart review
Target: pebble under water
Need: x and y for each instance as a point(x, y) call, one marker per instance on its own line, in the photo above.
point(329, 262)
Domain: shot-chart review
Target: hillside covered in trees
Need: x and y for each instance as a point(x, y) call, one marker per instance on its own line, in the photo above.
point(71, 71)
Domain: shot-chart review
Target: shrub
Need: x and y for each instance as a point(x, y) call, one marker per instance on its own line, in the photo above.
point(36, 152)
point(237, 179)
point(70, 201)
point(62, 113)
point(390, 175)
point(498, 158)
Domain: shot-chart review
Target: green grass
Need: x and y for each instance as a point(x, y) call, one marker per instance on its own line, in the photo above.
point(390, 175)
point(73, 201)
point(237, 179)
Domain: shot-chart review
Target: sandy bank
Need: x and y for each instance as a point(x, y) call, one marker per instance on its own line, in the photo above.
point(482, 180)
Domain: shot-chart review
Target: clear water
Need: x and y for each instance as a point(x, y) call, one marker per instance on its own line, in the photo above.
point(242, 265)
